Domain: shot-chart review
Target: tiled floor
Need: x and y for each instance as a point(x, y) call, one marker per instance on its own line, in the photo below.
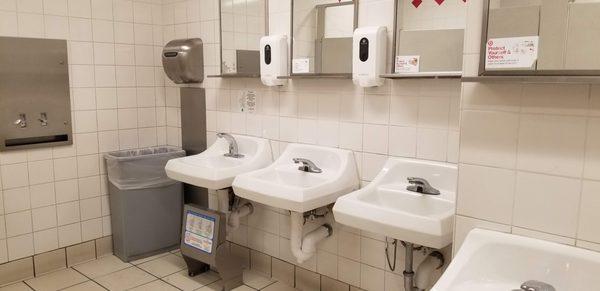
point(164, 272)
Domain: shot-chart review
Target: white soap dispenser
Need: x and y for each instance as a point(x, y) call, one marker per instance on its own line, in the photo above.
point(369, 46)
point(273, 59)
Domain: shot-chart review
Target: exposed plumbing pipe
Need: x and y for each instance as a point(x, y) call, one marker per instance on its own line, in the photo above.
point(408, 273)
point(422, 279)
point(236, 215)
point(303, 248)
point(233, 217)
point(424, 275)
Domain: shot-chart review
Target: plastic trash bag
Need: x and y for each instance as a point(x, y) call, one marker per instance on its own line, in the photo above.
point(141, 169)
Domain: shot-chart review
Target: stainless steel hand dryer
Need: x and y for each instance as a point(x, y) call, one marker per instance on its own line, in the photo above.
point(183, 60)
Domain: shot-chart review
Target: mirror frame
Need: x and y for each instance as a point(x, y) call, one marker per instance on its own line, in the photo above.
point(484, 72)
point(221, 74)
point(291, 59)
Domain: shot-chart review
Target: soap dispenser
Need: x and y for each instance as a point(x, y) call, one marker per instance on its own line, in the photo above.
point(369, 46)
point(273, 59)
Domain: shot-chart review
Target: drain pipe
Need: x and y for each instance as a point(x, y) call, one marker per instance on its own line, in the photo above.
point(408, 273)
point(434, 261)
point(234, 216)
point(303, 248)
point(425, 271)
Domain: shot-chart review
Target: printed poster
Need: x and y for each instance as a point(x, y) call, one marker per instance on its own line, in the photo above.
point(512, 52)
point(199, 231)
point(407, 64)
point(301, 65)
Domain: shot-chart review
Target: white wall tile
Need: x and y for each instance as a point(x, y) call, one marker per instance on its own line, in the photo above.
point(8, 23)
point(14, 175)
point(432, 144)
point(69, 234)
point(486, 193)
point(403, 141)
point(101, 9)
point(565, 134)
point(41, 172)
point(42, 195)
point(550, 99)
point(67, 213)
point(44, 218)
point(45, 240)
point(547, 203)
point(489, 138)
point(20, 246)
point(588, 213)
point(592, 152)
point(56, 7)
point(18, 223)
point(16, 200)
point(375, 138)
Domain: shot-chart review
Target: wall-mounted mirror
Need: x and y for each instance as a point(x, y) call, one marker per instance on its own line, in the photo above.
point(541, 37)
point(429, 37)
point(322, 36)
point(243, 23)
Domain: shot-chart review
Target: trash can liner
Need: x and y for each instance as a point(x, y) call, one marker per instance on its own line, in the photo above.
point(141, 169)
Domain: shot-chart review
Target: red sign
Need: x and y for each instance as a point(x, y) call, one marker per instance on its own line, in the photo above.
point(417, 3)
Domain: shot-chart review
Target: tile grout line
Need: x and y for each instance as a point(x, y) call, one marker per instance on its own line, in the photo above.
point(89, 278)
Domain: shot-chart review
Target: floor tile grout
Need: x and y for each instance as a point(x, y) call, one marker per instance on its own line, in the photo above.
point(129, 265)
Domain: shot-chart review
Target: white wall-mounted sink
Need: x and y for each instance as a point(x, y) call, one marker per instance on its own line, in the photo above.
point(213, 170)
point(495, 261)
point(386, 207)
point(283, 185)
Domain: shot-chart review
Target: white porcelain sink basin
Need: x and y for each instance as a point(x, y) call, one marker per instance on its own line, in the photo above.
point(386, 207)
point(495, 261)
point(283, 185)
point(213, 170)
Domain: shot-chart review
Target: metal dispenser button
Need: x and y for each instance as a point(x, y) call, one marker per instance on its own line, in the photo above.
point(21, 121)
point(43, 119)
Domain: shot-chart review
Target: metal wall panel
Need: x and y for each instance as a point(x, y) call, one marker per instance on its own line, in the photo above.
point(35, 107)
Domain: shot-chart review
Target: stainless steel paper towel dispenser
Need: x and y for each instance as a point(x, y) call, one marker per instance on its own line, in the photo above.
point(183, 60)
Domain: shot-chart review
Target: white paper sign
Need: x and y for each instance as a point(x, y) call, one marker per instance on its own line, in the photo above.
point(301, 65)
point(199, 231)
point(407, 64)
point(511, 52)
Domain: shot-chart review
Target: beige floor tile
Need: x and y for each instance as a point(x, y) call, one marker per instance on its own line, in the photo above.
point(216, 286)
point(87, 286)
point(125, 279)
point(244, 288)
point(184, 282)
point(102, 266)
point(279, 286)
point(148, 259)
point(164, 266)
point(56, 280)
point(256, 280)
point(16, 287)
point(157, 285)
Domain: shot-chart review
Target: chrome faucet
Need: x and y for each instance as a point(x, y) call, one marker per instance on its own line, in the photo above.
point(233, 147)
point(533, 285)
point(421, 185)
point(307, 165)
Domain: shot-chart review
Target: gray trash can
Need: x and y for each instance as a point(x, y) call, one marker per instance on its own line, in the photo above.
point(145, 204)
